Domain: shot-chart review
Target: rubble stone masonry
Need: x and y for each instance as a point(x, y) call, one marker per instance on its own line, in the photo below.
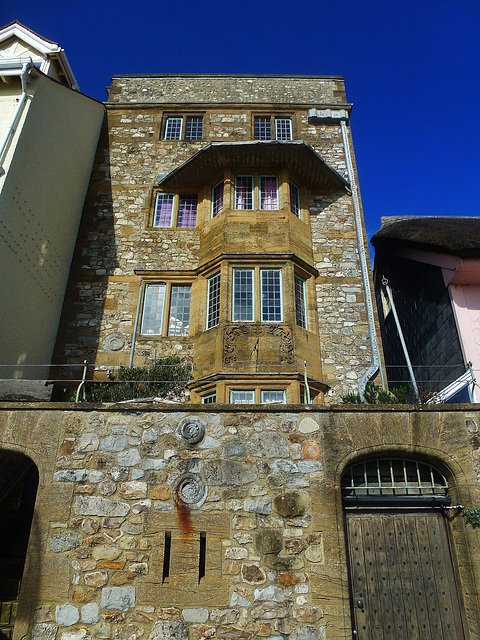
point(140, 533)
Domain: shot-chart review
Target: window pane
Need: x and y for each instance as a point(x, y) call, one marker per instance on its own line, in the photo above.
point(217, 199)
point(294, 199)
point(244, 192)
point(187, 211)
point(262, 128)
point(154, 300)
point(179, 319)
point(273, 397)
point(242, 295)
point(173, 128)
point(271, 283)
point(213, 306)
point(300, 310)
point(210, 399)
point(242, 397)
point(268, 192)
point(164, 210)
point(283, 128)
point(193, 130)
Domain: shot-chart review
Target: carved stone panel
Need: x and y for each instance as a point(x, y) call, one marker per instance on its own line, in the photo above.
point(262, 343)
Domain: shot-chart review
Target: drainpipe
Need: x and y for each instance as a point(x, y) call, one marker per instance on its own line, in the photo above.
point(24, 79)
point(402, 339)
point(135, 328)
point(376, 361)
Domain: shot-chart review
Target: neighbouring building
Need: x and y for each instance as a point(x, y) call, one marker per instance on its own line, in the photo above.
point(223, 223)
point(48, 137)
point(427, 282)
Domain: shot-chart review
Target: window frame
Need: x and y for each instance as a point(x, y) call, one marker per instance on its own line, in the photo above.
point(252, 192)
point(182, 134)
point(166, 310)
point(249, 391)
point(282, 391)
point(261, 190)
point(279, 119)
point(176, 209)
point(298, 278)
point(256, 393)
point(256, 191)
point(257, 289)
point(294, 196)
point(210, 398)
point(210, 284)
point(214, 212)
point(274, 129)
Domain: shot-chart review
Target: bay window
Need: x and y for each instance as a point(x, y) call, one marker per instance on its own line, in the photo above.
point(294, 199)
point(245, 197)
point(217, 199)
point(213, 301)
point(244, 192)
point(268, 192)
point(300, 302)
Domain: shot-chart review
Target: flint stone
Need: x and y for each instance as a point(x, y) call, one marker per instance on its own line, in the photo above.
point(129, 458)
point(114, 443)
point(309, 466)
point(153, 463)
point(209, 443)
point(269, 445)
point(75, 634)
point(90, 613)
point(305, 633)
point(44, 632)
point(314, 554)
point(98, 506)
point(258, 505)
point(122, 598)
point(169, 630)
point(284, 466)
point(70, 475)
point(66, 614)
point(308, 425)
point(195, 615)
point(64, 541)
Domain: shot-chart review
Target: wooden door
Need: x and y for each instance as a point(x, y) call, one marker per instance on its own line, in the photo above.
point(403, 579)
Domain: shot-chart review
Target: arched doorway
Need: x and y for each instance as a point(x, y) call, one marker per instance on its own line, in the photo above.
point(403, 576)
point(18, 490)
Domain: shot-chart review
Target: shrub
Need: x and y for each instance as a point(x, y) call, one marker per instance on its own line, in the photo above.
point(165, 378)
point(376, 395)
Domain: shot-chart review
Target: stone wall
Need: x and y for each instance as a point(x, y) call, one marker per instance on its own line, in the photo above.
point(138, 533)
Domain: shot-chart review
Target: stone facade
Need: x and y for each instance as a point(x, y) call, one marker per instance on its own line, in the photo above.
point(118, 246)
point(238, 535)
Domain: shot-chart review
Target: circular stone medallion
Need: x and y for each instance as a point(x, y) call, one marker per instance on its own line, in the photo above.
point(190, 490)
point(114, 342)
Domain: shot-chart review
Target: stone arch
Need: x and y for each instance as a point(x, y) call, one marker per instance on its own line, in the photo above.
point(19, 479)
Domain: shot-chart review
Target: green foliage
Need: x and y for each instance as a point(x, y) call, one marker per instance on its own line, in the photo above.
point(165, 378)
point(472, 515)
point(376, 395)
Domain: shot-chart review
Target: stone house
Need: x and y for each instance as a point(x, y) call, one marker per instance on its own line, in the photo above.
point(223, 223)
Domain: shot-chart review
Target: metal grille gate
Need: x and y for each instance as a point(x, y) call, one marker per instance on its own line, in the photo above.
point(403, 580)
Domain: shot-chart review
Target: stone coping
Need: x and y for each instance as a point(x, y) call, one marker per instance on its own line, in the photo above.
point(230, 408)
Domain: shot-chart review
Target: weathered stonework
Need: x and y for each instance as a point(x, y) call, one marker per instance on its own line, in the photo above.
point(274, 563)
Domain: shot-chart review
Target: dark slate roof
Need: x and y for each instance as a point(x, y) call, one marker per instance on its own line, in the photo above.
point(454, 235)
point(295, 155)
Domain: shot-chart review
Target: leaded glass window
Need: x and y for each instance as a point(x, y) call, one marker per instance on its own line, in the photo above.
point(179, 317)
point(187, 211)
point(283, 128)
point(163, 216)
point(268, 192)
point(244, 192)
point(300, 302)
point(173, 128)
point(194, 128)
point(271, 295)
point(243, 300)
point(213, 303)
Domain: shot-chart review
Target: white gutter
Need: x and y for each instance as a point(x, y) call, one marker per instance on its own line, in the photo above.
point(24, 79)
point(376, 361)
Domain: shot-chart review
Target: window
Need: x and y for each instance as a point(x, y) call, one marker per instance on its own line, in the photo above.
point(283, 128)
point(268, 192)
point(161, 318)
point(217, 199)
point(271, 287)
point(175, 211)
point(300, 302)
point(192, 125)
point(194, 128)
point(270, 283)
point(244, 192)
point(242, 397)
point(210, 399)
point(243, 295)
point(273, 397)
point(294, 199)
point(213, 301)
point(262, 128)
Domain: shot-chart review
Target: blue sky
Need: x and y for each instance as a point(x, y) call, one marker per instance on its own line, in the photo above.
point(412, 70)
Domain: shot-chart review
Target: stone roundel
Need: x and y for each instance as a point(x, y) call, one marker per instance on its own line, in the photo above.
point(190, 490)
point(114, 342)
point(192, 429)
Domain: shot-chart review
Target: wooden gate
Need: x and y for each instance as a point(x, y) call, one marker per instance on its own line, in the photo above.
point(403, 577)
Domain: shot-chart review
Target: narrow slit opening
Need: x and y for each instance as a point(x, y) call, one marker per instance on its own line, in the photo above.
point(167, 548)
point(202, 555)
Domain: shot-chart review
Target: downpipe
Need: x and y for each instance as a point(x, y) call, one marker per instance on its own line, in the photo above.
point(376, 361)
point(21, 103)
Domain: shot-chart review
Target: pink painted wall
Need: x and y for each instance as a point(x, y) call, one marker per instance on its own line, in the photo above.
point(466, 305)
